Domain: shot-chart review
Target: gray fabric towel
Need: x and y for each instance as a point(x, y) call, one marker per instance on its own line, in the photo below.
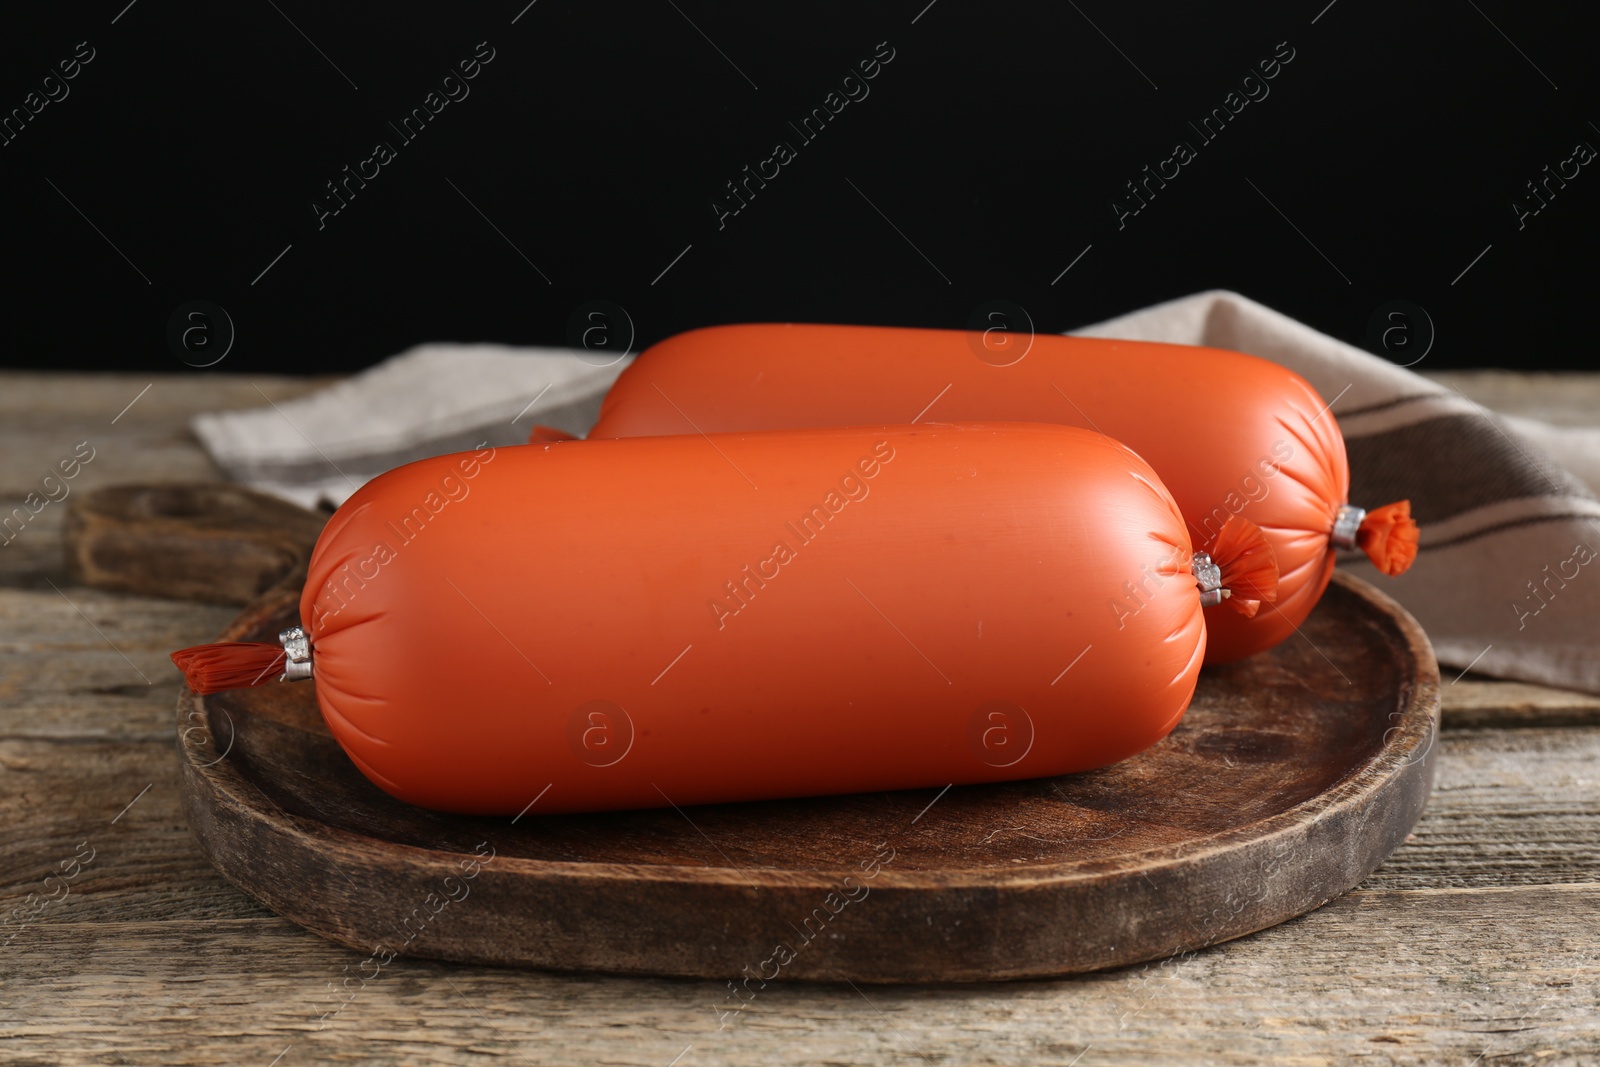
point(1504, 582)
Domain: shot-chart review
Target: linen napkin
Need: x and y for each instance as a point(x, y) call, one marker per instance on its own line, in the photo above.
point(430, 400)
point(1506, 581)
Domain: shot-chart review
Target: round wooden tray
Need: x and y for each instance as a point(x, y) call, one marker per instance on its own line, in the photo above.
point(1290, 779)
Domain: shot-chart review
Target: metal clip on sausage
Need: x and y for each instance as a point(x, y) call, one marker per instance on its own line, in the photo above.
point(1209, 577)
point(1346, 525)
point(297, 650)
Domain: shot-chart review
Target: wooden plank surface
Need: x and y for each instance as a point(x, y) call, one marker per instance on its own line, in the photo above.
point(1479, 941)
point(1371, 978)
point(1562, 399)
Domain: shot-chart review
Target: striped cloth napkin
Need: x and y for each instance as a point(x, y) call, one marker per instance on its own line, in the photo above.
point(1506, 581)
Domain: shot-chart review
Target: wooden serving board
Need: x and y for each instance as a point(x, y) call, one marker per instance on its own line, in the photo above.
point(1290, 779)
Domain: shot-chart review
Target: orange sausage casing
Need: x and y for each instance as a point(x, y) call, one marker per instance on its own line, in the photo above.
point(694, 619)
point(1230, 434)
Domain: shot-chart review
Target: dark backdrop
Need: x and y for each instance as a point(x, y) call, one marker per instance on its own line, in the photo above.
point(578, 171)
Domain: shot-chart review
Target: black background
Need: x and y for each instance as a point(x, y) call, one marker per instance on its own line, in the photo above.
point(595, 141)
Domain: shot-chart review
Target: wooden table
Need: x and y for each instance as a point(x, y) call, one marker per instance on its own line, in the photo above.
point(1477, 943)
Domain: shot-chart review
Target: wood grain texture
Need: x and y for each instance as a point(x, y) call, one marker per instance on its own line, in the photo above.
point(1286, 783)
point(1456, 948)
point(1562, 399)
point(1510, 807)
point(222, 544)
point(1493, 703)
point(137, 434)
point(1432, 977)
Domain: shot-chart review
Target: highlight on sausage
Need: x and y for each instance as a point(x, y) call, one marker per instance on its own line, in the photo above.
point(692, 619)
point(1230, 434)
